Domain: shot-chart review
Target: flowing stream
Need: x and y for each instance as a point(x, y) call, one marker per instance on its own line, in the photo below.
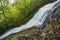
point(37, 20)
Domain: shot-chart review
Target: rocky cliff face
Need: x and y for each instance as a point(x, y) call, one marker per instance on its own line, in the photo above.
point(51, 30)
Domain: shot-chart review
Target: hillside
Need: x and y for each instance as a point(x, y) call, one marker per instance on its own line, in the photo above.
point(49, 31)
point(17, 13)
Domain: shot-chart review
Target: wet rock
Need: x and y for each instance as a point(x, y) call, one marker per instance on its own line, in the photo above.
point(58, 18)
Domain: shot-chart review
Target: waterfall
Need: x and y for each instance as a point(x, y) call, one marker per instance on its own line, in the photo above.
point(36, 20)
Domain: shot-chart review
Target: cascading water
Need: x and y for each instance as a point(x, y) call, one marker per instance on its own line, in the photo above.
point(37, 19)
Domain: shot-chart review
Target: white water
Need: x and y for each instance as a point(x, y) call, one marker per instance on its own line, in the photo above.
point(37, 19)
